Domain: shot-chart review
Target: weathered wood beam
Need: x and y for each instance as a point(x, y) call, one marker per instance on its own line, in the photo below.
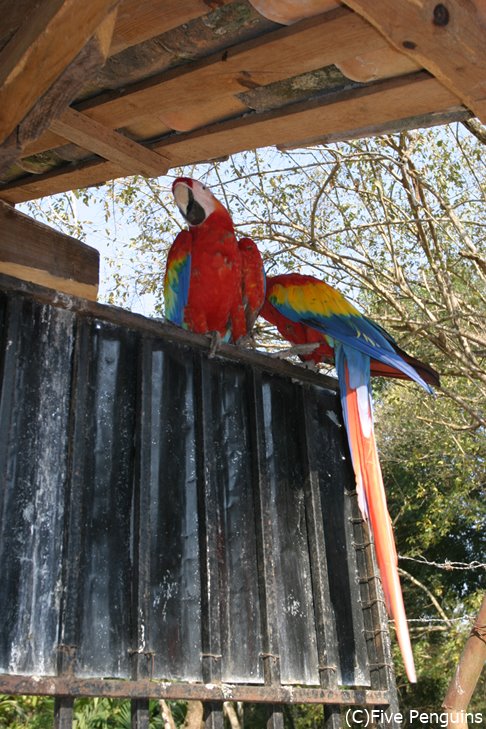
point(138, 21)
point(459, 114)
point(467, 674)
point(34, 252)
point(43, 47)
point(340, 114)
point(60, 94)
point(448, 39)
point(291, 11)
point(110, 145)
point(197, 88)
point(202, 92)
point(383, 63)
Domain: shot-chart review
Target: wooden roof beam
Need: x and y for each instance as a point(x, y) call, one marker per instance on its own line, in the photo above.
point(448, 39)
point(43, 47)
point(135, 158)
point(138, 21)
point(185, 97)
point(198, 93)
point(379, 105)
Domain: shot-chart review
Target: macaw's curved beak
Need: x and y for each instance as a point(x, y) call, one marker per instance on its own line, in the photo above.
point(191, 210)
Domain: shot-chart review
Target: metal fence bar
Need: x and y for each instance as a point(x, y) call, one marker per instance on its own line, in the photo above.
point(173, 691)
point(72, 550)
point(63, 712)
point(140, 714)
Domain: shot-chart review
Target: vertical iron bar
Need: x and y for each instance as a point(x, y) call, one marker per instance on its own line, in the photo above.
point(275, 717)
point(325, 627)
point(331, 717)
point(265, 560)
point(63, 712)
point(213, 715)
point(140, 714)
point(209, 535)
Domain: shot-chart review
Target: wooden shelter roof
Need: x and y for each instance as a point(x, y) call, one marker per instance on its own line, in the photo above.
point(102, 89)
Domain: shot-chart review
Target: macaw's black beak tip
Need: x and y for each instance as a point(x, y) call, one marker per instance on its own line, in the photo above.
point(190, 209)
point(195, 213)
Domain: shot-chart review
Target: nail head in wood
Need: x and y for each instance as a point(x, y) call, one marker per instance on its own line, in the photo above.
point(441, 15)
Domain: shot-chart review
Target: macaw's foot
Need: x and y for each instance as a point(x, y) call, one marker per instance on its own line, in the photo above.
point(296, 349)
point(247, 341)
point(216, 340)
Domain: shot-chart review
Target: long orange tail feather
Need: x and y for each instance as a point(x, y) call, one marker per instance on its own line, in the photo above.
point(372, 500)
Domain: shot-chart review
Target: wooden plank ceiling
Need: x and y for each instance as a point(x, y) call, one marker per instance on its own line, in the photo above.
point(141, 86)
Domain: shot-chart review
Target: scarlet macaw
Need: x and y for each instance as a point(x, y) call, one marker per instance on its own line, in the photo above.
point(304, 310)
point(213, 283)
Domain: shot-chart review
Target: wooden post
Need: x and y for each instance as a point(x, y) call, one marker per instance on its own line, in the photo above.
point(467, 673)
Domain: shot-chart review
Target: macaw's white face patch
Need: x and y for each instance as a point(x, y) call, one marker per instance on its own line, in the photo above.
point(181, 195)
point(195, 201)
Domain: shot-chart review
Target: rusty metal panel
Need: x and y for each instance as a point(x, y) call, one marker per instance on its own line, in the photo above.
point(167, 515)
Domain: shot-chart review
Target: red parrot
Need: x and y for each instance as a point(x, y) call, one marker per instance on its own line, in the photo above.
point(213, 283)
point(305, 310)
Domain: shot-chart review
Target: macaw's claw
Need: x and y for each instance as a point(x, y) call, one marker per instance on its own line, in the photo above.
point(298, 349)
point(247, 341)
point(216, 340)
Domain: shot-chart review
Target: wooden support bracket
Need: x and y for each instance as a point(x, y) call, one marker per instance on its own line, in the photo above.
point(109, 144)
point(45, 64)
point(446, 38)
point(48, 41)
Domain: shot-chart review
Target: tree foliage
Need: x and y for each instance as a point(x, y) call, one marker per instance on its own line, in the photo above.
point(397, 224)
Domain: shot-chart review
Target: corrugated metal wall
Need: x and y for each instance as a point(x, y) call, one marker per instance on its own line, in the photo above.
point(192, 517)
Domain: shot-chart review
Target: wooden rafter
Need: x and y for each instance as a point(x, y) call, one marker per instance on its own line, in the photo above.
point(198, 93)
point(113, 146)
point(448, 39)
point(42, 48)
point(305, 46)
point(138, 21)
point(340, 114)
point(273, 86)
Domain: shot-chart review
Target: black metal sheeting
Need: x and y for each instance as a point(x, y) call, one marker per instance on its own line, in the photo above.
point(169, 516)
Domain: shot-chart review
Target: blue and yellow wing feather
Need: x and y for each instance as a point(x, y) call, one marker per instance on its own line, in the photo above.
point(318, 305)
point(177, 278)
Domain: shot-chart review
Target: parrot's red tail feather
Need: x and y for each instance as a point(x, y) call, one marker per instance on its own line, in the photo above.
point(372, 499)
